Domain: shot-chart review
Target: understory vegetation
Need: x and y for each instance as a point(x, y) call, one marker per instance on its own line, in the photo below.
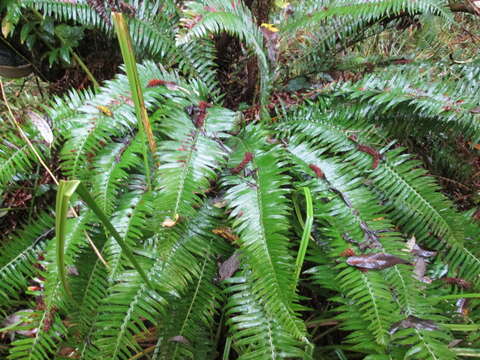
point(241, 180)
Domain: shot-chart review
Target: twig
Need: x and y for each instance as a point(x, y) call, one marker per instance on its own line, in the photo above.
point(453, 182)
point(144, 352)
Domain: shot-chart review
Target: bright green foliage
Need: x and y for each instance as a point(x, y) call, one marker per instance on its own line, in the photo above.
point(218, 231)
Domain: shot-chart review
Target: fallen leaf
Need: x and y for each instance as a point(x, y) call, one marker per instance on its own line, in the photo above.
point(104, 110)
point(72, 270)
point(170, 85)
point(347, 253)
point(198, 113)
point(168, 222)
point(226, 233)
point(413, 322)
point(457, 281)
point(462, 306)
point(416, 250)
point(248, 156)
point(475, 110)
point(375, 261)
point(220, 203)
point(269, 27)
point(127, 100)
point(419, 270)
point(180, 339)
point(210, 9)
point(370, 151)
point(68, 352)
point(19, 319)
point(318, 172)
point(41, 124)
point(228, 267)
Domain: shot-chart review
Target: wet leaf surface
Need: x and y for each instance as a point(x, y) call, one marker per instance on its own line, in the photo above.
point(376, 261)
point(229, 267)
point(413, 322)
point(180, 339)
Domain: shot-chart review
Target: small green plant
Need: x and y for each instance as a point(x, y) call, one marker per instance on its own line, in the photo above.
point(38, 31)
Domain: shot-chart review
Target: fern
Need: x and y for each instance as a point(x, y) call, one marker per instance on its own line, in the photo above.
point(16, 159)
point(233, 18)
point(258, 204)
point(223, 183)
point(19, 255)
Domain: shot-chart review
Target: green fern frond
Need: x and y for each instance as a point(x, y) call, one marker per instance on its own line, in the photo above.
point(258, 207)
point(61, 109)
point(356, 213)
point(47, 322)
point(111, 165)
point(184, 333)
point(255, 331)
point(439, 104)
point(431, 343)
point(129, 220)
point(417, 205)
point(16, 158)
point(65, 11)
point(90, 132)
point(19, 255)
point(152, 36)
point(189, 157)
point(367, 12)
point(233, 18)
point(176, 263)
point(43, 345)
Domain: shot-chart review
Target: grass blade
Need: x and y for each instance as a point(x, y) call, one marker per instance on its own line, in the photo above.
point(88, 199)
point(64, 193)
point(307, 229)
point(128, 54)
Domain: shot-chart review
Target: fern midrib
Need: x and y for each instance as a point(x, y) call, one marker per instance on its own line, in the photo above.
point(425, 343)
point(41, 327)
point(94, 320)
point(264, 242)
point(10, 162)
point(185, 172)
point(117, 260)
point(378, 318)
point(475, 279)
point(78, 153)
point(126, 320)
point(408, 310)
point(194, 297)
point(107, 183)
point(141, 291)
point(22, 254)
